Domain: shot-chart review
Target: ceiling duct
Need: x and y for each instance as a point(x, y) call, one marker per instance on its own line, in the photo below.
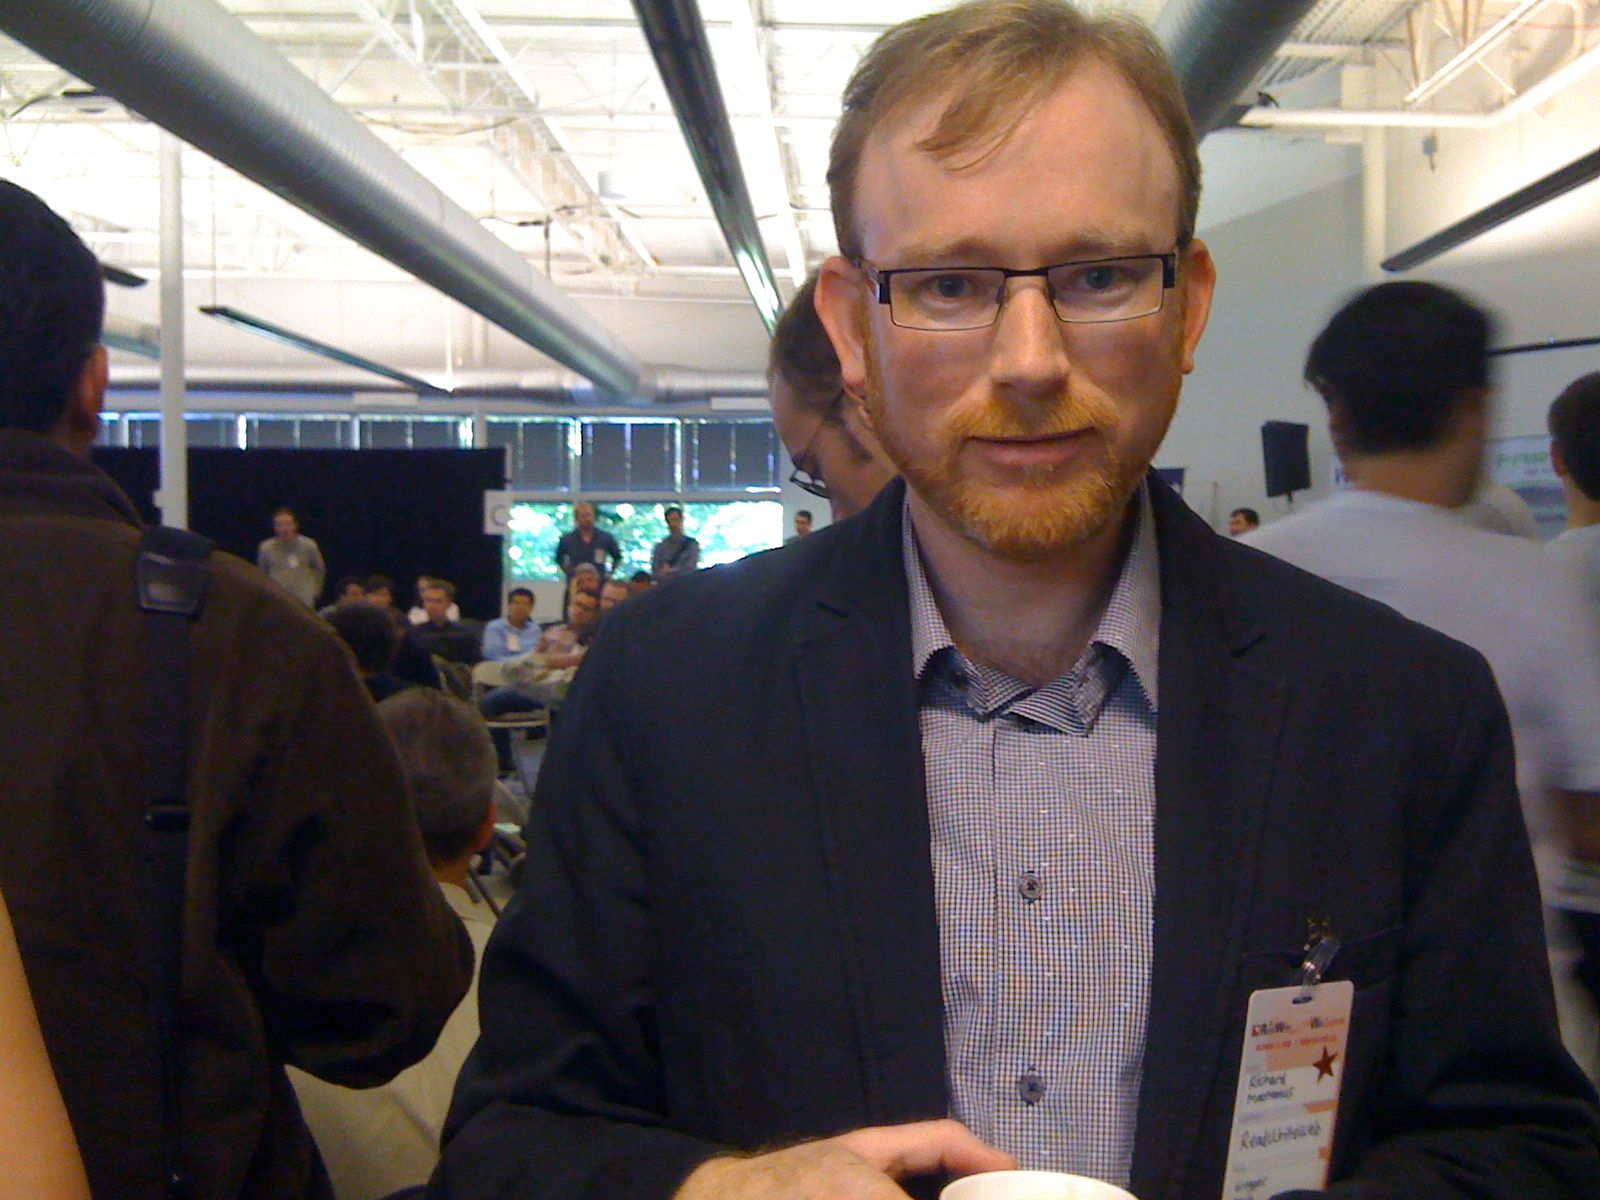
point(564, 390)
point(677, 38)
point(1219, 46)
point(198, 71)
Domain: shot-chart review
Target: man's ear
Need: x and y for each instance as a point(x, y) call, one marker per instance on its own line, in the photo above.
point(838, 302)
point(1557, 463)
point(80, 421)
point(1197, 276)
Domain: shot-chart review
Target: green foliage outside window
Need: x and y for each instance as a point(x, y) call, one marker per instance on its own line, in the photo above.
point(727, 531)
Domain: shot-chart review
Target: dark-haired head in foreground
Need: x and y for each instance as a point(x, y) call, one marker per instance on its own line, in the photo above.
point(52, 305)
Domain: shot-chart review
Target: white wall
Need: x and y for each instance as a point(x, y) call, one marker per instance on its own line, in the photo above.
point(1280, 274)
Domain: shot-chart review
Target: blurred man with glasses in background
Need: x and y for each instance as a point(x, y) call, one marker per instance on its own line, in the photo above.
point(868, 862)
point(836, 458)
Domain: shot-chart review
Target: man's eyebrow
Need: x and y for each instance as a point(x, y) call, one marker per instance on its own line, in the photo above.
point(974, 252)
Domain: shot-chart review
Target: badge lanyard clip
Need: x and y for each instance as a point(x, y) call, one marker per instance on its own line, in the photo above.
point(1319, 956)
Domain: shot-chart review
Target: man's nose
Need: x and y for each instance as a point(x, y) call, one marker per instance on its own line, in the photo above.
point(1029, 353)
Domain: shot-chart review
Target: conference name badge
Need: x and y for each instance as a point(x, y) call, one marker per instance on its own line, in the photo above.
point(1290, 1071)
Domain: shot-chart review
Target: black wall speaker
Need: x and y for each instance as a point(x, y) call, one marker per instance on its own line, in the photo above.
point(1286, 454)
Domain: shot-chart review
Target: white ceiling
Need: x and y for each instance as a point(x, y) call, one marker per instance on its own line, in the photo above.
point(547, 120)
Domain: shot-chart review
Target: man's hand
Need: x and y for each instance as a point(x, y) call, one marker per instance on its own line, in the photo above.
point(861, 1165)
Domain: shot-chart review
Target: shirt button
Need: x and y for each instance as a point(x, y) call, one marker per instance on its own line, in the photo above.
point(1030, 1088)
point(1030, 886)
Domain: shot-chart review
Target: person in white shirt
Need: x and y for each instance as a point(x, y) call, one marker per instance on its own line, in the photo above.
point(376, 1141)
point(1575, 455)
point(1404, 370)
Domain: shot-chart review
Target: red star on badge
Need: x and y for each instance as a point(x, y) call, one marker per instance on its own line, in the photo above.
point(1324, 1065)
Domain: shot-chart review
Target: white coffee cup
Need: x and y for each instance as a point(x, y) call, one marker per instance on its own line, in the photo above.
point(1031, 1185)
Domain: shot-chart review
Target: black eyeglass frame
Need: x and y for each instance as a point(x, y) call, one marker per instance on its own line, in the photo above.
point(800, 476)
point(881, 278)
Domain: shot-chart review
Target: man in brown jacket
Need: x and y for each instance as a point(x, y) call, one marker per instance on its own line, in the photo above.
point(313, 932)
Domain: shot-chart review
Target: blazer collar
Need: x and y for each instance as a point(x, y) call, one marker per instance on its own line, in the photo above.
point(1216, 734)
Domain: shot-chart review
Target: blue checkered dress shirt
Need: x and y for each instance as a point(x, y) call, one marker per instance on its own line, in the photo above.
point(1041, 804)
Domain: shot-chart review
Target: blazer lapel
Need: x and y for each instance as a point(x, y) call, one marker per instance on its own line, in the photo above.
point(853, 671)
point(1217, 729)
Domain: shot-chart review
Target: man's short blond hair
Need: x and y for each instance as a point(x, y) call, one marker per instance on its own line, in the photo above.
point(995, 60)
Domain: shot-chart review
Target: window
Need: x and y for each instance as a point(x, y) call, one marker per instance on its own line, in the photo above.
point(220, 430)
point(629, 455)
point(414, 433)
point(739, 456)
point(727, 531)
point(540, 451)
point(295, 431)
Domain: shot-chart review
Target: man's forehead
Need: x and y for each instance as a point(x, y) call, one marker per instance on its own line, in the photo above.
point(1091, 136)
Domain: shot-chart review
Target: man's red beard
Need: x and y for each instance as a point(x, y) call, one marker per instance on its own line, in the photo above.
point(1043, 510)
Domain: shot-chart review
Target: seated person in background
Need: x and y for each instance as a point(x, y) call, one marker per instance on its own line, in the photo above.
point(612, 593)
point(442, 634)
point(376, 1141)
point(564, 645)
point(419, 611)
point(411, 663)
point(380, 594)
point(585, 578)
point(640, 582)
point(1242, 520)
point(677, 553)
point(38, 1154)
point(509, 636)
point(515, 633)
point(374, 640)
point(351, 589)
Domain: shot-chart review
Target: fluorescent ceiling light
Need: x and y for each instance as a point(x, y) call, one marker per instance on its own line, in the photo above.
point(1558, 183)
point(300, 341)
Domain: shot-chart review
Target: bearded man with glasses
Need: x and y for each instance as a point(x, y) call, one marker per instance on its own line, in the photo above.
point(975, 828)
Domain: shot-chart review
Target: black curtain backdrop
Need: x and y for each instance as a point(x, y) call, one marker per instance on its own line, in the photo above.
point(400, 513)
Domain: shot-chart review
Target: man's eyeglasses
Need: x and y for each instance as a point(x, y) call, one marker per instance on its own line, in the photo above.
point(1090, 292)
point(814, 485)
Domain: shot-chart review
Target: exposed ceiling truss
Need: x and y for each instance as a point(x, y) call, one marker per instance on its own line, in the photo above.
point(547, 120)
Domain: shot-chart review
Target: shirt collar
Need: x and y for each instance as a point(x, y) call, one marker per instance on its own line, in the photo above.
point(1130, 625)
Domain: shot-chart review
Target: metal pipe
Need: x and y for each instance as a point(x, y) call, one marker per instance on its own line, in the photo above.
point(1219, 46)
point(173, 498)
point(197, 70)
point(677, 38)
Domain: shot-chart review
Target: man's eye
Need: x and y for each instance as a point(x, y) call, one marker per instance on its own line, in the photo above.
point(945, 287)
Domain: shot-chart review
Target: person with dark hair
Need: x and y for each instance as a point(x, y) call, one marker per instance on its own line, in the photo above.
point(291, 559)
point(373, 639)
point(441, 634)
point(310, 929)
point(412, 664)
point(1005, 822)
point(677, 553)
point(640, 582)
point(378, 1141)
point(802, 526)
point(1242, 520)
point(1574, 421)
point(508, 637)
point(515, 633)
point(1575, 454)
point(1404, 370)
point(351, 589)
point(830, 441)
